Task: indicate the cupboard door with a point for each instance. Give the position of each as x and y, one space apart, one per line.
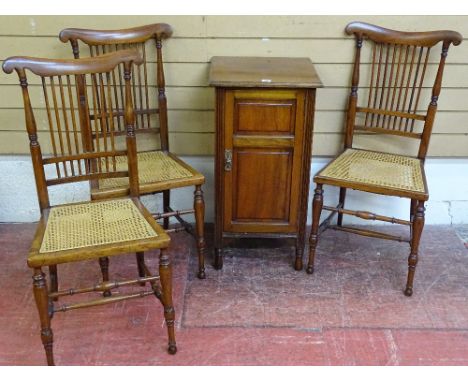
263 151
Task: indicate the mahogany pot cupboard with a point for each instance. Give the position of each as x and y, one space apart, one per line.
264 124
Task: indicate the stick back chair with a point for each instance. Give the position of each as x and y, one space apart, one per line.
396 76
88 230
160 170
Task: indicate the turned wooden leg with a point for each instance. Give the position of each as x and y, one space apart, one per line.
218 259
42 303
313 239
417 227
165 274
53 279
140 257
104 264
166 204
341 201
199 207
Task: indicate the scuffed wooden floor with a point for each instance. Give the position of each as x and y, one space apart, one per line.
257 310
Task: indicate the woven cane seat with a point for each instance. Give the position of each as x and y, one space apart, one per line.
383 170
157 171
87 227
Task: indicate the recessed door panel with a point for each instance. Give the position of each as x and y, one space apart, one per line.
262 185
263 151
264 116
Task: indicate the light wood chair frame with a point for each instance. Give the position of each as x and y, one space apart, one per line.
378 109
102 41
56 76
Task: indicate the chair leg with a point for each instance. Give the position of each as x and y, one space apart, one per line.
416 230
166 204
199 207
165 274
53 279
104 264
341 201
313 239
42 303
140 257
218 260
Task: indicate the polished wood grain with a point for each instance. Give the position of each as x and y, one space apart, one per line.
66 83
127 36
398 70
43 66
151 110
264 136
380 34
282 72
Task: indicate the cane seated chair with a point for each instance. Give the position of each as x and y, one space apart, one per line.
160 170
396 77
86 230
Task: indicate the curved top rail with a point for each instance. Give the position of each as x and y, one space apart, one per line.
384 35
117 36
57 67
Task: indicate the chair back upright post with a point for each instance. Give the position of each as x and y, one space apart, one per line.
67 154
130 138
102 41
397 72
162 100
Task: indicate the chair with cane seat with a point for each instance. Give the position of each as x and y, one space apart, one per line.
87 230
396 77
160 171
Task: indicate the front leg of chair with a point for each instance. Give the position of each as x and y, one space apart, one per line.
199 207
104 264
416 231
313 239
166 205
165 274
42 303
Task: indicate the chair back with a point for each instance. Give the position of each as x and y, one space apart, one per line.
57 106
400 78
148 83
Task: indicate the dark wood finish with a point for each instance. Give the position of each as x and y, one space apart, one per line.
165 273
199 207
264 72
264 123
397 72
140 256
43 303
370 233
74 159
123 36
149 101
104 265
317 204
389 36
366 215
417 227
42 67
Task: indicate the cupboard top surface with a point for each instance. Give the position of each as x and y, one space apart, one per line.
263 72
